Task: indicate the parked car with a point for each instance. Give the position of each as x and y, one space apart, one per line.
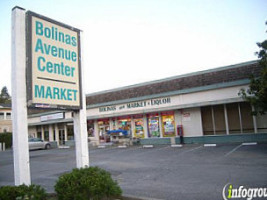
37 143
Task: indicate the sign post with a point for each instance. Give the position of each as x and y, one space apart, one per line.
80 125
48 56
54 74
19 106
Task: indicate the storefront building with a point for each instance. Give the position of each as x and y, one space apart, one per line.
5 118
205 104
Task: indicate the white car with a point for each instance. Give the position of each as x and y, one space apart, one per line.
37 143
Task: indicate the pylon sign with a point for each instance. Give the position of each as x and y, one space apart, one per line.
53 64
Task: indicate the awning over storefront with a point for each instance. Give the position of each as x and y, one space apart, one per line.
118 132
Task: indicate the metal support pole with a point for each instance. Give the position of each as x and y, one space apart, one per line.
19 107
51 138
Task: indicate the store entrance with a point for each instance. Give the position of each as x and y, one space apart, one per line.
61 137
103 127
125 124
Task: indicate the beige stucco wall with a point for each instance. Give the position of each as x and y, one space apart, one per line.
5 123
181 101
262 123
191 121
32 131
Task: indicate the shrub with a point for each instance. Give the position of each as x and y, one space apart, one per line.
6 138
87 183
22 192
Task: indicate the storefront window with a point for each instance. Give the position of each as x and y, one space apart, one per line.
46 135
153 126
90 128
168 125
103 127
139 127
2 115
8 116
70 131
125 124
39 132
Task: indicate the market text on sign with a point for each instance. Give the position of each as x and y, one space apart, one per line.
55 93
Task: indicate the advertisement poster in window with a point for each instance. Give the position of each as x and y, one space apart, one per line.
168 125
139 128
153 126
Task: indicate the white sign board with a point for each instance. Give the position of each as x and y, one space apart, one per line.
53 63
52 117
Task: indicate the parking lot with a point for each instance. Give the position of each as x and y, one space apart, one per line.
162 172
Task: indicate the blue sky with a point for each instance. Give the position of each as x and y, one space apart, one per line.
133 41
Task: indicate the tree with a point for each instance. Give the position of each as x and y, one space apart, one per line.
257 92
4 96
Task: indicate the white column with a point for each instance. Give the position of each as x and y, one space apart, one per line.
213 120
178 119
57 134
132 127
240 118
51 137
96 132
116 123
110 124
42 133
254 121
145 126
226 119
80 124
160 126
19 107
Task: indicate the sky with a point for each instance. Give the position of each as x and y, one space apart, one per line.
126 42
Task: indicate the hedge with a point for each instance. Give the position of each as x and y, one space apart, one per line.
6 138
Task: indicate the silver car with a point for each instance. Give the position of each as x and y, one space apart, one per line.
37 143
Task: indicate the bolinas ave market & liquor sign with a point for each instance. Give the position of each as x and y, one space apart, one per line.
53 63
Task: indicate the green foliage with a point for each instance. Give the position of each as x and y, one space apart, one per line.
87 183
4 96
257 92
22 192
6 138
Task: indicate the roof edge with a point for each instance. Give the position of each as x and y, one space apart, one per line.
173 93
243 64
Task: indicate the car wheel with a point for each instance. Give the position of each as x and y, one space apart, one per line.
47 146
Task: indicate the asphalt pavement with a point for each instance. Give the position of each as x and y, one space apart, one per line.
163 172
